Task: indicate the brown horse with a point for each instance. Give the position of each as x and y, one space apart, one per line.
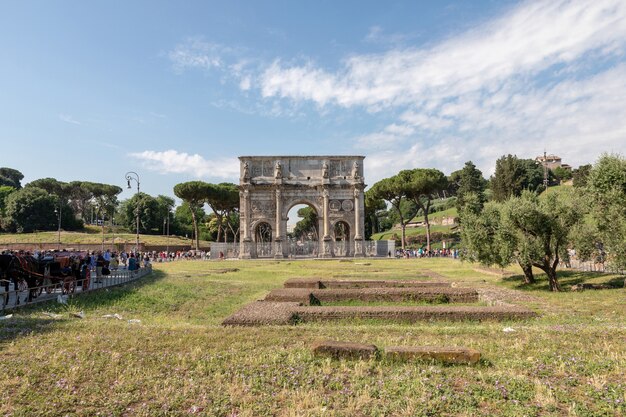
5 278
25 268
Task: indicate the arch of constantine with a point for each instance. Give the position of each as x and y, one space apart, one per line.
331 185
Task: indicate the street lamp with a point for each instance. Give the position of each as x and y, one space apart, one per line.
58 213
167 221
129 176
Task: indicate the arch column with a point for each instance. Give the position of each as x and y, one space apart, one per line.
327 241
278 240
246 245
359 250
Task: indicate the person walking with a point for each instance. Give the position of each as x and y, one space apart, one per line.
132 263
100 262
124 259
113 263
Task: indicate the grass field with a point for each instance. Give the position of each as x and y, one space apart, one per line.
178 360
438 215
93 235
412 231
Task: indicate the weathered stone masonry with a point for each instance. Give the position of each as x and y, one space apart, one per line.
271 185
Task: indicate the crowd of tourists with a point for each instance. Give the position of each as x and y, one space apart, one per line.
423 253
102 263
164 256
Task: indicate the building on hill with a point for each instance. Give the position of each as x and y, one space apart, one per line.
551 161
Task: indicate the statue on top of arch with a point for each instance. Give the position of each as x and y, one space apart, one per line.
246 172
355 170
325 170
278 170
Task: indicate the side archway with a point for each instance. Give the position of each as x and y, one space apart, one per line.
342 242
263 239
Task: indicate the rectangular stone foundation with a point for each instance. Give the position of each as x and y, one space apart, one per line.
448 355
316 283
407 294
344 350
413 314
261 313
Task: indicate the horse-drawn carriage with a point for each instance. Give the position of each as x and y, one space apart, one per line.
66 272
35 275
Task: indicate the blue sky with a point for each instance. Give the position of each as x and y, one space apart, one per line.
177 90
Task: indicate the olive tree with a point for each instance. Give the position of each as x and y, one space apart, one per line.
532 230
541 227
606 192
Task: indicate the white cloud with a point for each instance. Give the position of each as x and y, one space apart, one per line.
197 53
528 40
245 83
579 119
377 35
548 74
424 121
68 119
298 83
391 135
174 162
374 34
545 75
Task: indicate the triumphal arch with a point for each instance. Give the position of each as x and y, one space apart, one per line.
331 185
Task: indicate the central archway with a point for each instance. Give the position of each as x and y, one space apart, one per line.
303 226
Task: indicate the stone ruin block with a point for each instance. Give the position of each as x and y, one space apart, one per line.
263 313
447 355
347 350
318 283
415 294
413 314
302 283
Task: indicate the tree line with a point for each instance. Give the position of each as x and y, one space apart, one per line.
512 218
509 218
43 204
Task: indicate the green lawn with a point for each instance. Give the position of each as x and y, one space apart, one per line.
93 235
412 231
438 215
179 361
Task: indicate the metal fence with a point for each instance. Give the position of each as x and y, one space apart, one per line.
23 296
308 248
372 248
591 266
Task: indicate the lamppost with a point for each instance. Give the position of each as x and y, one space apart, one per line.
129 176
113 228
58 213
167 221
